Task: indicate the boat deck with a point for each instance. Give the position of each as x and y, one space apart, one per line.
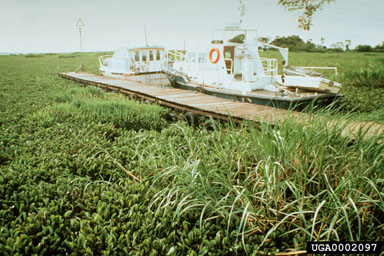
202 104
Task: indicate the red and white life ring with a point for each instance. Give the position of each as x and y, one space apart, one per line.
214 61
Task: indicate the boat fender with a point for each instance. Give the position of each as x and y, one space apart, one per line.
192 119
172 80
214 61
172 117
210 125
200 89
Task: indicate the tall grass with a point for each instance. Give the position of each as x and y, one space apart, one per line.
368 77
281 186
364 92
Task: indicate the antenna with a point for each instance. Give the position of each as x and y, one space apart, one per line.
145 32
242 12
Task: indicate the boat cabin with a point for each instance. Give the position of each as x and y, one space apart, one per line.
133 61
231 57
232 62
231 67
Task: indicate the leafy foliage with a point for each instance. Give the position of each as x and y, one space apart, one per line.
369 77
294 43
306 8
66 151
237 39
363 48
364 89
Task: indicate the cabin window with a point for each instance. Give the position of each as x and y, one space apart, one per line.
150 55
227 54
157 55
144 56
202 57
137 56
191 57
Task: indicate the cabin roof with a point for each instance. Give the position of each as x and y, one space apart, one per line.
130 49
146 48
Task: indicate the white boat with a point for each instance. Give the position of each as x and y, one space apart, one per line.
143 64
231 67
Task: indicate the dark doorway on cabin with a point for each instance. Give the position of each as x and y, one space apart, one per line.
229 56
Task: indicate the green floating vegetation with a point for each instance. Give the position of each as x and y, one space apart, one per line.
88 172
122 113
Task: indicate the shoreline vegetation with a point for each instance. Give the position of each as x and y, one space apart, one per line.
85 171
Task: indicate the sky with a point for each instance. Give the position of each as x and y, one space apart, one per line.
32 26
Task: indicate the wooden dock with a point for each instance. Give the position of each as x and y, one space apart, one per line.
203 104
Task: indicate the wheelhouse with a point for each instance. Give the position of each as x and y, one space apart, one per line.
129 61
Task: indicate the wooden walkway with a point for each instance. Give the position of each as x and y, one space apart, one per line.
207 105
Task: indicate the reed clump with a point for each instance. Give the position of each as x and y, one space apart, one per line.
281 186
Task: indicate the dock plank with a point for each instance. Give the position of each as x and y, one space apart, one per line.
209 105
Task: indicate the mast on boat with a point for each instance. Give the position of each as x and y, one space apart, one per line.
242 13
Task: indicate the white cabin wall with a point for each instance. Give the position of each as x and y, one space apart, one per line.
237 65
253 50
119 65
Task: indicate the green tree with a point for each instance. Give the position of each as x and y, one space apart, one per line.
347 44
379 47
264 40
294 43
363 48
306 8
322 41
239 39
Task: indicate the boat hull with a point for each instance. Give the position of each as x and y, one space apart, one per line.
259 97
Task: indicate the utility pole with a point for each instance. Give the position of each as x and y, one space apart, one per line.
80 24
145 32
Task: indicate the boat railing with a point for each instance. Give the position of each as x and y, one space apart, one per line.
175 55
256 67
322 68
270 66
102 59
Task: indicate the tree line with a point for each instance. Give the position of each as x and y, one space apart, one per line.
295 43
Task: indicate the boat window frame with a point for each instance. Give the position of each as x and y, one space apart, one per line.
202 57
144 54
191 57
151 55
